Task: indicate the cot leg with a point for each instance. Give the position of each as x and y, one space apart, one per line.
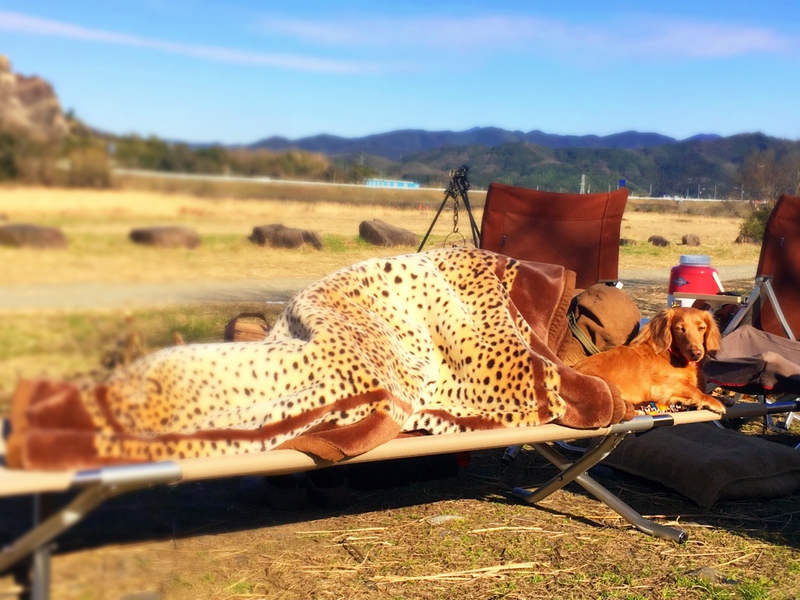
36 542
40 566
40 574
577 472
33 573
98 485
38 538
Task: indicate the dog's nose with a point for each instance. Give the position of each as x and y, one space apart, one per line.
697 353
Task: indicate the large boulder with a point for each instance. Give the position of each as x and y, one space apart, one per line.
380 233
32 236
166 237
691 239
280 236
658 240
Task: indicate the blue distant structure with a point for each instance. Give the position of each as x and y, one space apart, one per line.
391 183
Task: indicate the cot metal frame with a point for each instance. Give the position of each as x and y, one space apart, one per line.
98 485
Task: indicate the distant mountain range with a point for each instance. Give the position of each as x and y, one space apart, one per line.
705 165
395 145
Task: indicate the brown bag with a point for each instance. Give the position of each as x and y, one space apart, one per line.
238 330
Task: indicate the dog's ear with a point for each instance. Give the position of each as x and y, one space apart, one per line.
713 338
658 331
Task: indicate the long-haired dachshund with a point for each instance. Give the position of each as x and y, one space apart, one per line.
662 364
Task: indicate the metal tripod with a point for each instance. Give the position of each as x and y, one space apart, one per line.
457 190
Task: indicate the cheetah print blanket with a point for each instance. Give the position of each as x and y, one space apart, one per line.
443 341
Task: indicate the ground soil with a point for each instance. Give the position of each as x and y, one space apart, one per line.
640 284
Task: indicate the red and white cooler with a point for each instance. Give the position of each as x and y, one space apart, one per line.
694 274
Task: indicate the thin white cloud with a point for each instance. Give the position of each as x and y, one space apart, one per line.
21 23
705 40
639 37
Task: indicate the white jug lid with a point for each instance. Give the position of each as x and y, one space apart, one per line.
702 260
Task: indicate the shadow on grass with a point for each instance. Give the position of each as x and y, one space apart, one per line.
231 505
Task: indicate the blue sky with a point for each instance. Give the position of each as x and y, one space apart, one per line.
236 72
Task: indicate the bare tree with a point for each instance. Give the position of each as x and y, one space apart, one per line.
766 174
790 166
762 176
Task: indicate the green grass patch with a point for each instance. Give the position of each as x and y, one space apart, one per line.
69 345
645 250
339 244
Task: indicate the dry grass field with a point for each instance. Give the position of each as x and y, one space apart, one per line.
459 537
97 224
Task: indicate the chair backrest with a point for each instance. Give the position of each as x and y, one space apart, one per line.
577 231
780 261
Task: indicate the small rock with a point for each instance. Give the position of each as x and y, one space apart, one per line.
743 239
442 519
711 574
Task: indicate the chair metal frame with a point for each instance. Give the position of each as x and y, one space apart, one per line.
763 291
781 224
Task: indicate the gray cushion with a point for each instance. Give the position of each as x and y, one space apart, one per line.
707 464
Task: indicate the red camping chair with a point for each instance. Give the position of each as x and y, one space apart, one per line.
776 300
760 353
578 231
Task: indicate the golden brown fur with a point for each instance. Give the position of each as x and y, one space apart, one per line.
661 364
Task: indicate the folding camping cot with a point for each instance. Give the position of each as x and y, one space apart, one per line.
94 486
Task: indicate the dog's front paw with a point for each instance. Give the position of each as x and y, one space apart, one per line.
714 405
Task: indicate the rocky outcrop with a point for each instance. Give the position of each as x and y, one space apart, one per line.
28 105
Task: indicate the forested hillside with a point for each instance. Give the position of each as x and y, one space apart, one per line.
691 167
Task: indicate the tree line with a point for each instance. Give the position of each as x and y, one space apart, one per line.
743 167
747 167
87 159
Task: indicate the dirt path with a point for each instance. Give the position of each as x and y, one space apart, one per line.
78 296
81 296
